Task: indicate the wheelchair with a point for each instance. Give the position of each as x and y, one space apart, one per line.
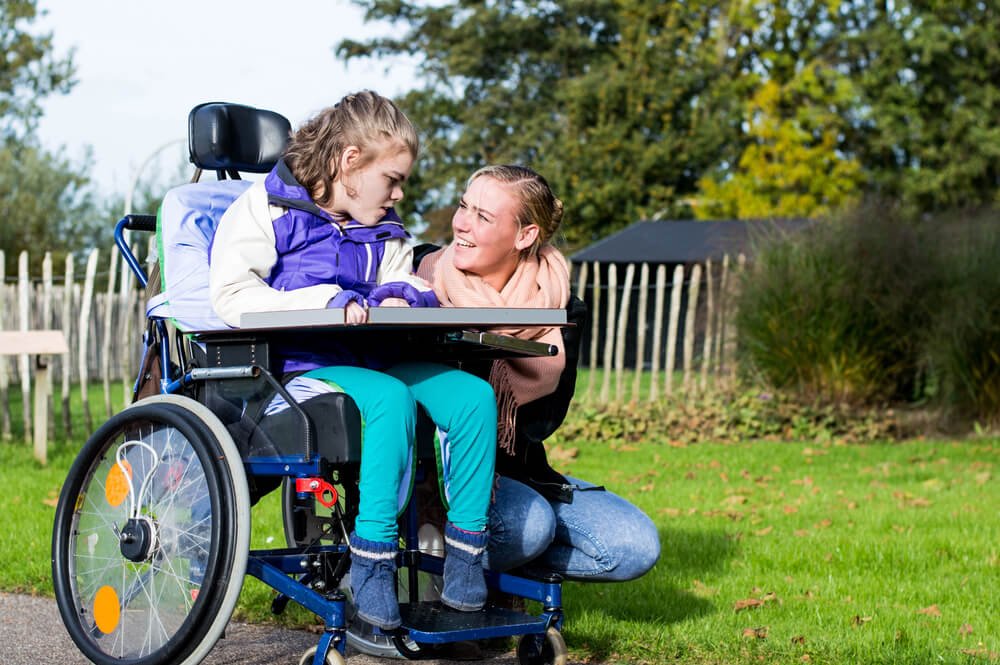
151 541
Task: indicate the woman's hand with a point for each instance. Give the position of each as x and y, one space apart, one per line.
394 302
355 314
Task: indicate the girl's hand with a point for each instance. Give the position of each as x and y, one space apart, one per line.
355 314
394 302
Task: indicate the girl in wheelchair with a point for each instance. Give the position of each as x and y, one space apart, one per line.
320 231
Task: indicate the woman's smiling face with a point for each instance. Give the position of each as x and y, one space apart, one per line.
487 237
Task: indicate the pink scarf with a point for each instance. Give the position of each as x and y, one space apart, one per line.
541 281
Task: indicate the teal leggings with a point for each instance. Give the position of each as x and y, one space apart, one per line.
462 406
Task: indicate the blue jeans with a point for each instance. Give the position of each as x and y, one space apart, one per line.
599 537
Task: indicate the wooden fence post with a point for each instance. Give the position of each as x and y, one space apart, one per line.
595 329
621 328
581 283
4 377
609 332
108 337
706 354
23 297
84 347
640 344
723 314
46 324
689 325
67 361
732 341
654 377
675 314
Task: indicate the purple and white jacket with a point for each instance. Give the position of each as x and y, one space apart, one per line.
276 250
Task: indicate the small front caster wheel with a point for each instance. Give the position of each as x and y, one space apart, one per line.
333 657
548 649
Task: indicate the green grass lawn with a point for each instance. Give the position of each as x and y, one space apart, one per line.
777 553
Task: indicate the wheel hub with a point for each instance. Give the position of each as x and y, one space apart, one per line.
137 539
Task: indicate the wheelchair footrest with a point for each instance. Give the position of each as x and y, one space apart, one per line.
435 623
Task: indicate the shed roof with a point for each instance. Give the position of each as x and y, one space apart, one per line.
682 241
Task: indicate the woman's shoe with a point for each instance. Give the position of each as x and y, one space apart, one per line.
464 585
373 582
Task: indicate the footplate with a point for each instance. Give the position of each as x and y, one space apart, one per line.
434 623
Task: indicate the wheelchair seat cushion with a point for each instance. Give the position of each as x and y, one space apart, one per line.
333 417
336 424
185 228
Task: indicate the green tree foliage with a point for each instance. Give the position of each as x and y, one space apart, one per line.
643 123
46 202
28 70
792 166
599 96
898 99
927 131
640 109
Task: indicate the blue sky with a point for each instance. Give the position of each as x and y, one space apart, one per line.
142 65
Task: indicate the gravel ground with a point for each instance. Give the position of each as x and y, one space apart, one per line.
31 632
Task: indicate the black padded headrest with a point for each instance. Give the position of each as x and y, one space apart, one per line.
233 137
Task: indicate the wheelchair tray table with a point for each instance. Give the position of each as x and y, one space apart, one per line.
442 334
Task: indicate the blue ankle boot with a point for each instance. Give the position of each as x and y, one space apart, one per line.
464 585
373 582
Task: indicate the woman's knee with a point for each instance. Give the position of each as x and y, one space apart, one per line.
621 539
641 548
522 525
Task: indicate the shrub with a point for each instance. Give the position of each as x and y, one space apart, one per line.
870 308
964 346
726 416
840 311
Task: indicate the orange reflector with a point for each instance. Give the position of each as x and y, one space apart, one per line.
107 610
116 486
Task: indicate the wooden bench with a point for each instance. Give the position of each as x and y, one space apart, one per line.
38 343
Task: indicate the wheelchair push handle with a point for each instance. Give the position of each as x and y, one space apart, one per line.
132 222
140 223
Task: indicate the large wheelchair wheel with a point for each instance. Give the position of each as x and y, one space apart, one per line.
151 535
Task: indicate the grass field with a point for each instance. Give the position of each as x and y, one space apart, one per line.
772 552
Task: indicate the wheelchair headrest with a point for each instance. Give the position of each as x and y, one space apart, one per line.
233 137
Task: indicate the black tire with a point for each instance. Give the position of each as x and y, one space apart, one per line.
164 592
547 649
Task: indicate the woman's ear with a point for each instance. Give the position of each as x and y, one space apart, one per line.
526 237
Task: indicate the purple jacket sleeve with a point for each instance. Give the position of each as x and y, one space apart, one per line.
344 297
411 294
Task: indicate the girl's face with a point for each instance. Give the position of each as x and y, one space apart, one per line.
487 238
366 193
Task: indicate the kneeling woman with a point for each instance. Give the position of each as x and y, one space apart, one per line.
500 256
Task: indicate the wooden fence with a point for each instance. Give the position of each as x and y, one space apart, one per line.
103 330
680 342
677 334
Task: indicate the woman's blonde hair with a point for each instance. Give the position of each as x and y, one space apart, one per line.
539 206
364 119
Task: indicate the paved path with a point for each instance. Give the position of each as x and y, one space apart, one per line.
31 632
